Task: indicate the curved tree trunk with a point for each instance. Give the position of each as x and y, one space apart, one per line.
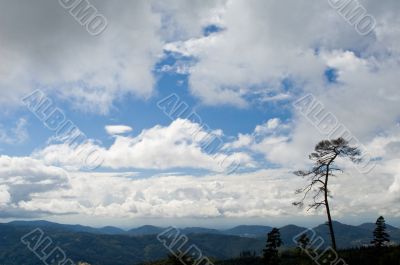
328 212
330 224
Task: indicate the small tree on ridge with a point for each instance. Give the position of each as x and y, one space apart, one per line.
381 238
270 253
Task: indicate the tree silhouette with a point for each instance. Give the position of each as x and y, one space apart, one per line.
303 246
270 253
303 243
381 238
324 167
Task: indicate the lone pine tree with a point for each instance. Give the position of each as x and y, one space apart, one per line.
324 156
381 238
270 253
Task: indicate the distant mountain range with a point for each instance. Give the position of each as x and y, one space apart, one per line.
250 231
112 245
242 230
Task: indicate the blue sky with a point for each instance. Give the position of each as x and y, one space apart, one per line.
239 79
142 114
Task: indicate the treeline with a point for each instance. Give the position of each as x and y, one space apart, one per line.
309 249
356 256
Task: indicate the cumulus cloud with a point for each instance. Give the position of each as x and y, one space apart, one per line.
117 129
169 196
275 141
30 187
267 194
22 178
182 144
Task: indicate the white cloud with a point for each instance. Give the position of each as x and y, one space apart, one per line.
168 196
275 140
4 195
186 19
243 140
270 127
277 97
191 47
267 193
117 129
260 47
182 144
366 98
91 72
22 178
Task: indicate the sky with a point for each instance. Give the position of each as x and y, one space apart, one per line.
195 113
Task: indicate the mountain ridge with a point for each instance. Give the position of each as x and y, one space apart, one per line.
240 230
98 248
